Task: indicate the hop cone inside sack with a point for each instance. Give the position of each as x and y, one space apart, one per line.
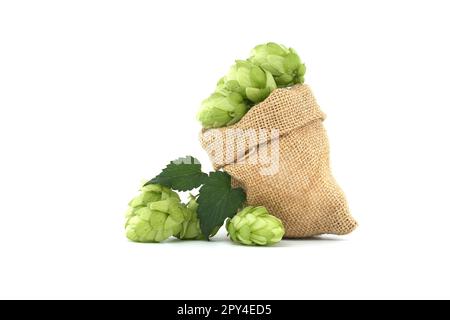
249 80
255 226
222 109
191 226
283 63
154 215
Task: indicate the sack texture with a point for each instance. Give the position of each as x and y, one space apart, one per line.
303 192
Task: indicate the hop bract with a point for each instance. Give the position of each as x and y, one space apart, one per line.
222 109
283 63
249 80
255 226
155 215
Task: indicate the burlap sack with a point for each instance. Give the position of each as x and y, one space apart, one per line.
303 193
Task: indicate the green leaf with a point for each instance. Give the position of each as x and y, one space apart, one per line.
218 201
182 174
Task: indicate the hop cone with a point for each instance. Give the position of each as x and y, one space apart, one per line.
255 226
191 226
154 215
249 80
283 63
222 109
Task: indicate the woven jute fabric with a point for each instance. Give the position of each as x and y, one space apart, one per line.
303 192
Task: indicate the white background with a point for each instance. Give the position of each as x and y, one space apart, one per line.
97 95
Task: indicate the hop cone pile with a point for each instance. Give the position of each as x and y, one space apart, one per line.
255 226
249 82
155 215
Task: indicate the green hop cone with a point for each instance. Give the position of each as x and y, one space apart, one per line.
154 215
248 80
152 193
191 226
255 226
283 63
222 109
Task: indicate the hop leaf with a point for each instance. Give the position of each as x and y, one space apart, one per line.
283 63
221 109
182 174
218 201
255 226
